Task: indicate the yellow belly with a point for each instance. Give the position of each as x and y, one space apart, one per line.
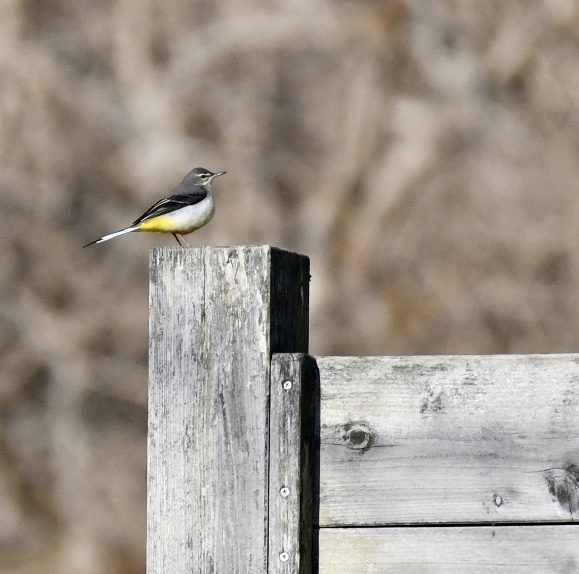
161 223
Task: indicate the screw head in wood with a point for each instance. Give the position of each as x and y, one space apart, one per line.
284 556
284 491
287 385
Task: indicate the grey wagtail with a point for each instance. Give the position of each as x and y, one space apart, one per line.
188 207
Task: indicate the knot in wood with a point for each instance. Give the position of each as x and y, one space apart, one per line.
563 485
357 436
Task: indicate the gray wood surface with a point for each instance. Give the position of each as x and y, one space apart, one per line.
216 317
291 485
448 550
456 439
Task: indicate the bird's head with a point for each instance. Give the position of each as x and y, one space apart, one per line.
202 176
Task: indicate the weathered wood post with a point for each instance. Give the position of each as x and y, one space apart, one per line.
217 315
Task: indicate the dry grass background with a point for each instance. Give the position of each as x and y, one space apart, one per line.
423 154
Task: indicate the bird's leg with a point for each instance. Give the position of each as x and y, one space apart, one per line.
180 239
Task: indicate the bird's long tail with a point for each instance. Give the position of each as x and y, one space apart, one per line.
112 235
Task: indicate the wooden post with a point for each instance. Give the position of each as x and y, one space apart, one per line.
216 317
294 401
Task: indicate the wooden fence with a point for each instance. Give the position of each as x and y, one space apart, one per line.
264 460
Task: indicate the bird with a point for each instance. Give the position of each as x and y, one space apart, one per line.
187 207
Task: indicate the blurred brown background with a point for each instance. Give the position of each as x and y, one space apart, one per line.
424 154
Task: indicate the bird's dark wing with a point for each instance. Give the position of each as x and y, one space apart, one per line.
172 203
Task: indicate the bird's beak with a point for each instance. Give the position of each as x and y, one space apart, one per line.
219 173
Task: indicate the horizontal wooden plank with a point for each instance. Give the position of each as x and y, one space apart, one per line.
447 550
459 439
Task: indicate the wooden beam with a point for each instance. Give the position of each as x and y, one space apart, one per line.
459 439
216 317
294 402
449 550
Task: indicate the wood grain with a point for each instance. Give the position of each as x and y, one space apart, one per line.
459 439
293 403
447 550
216 317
